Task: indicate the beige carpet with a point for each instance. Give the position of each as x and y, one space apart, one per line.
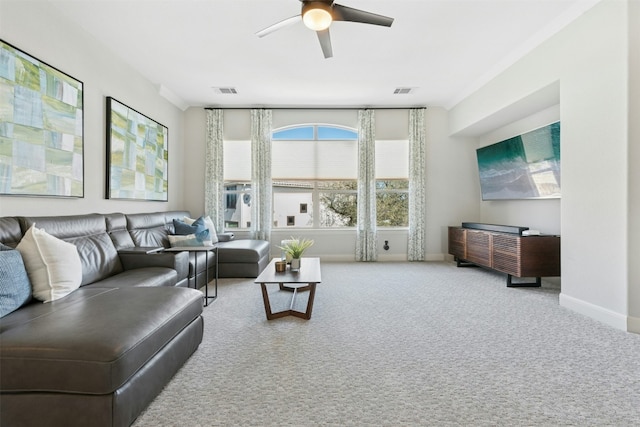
404 344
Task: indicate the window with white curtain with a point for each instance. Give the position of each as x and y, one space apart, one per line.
237 184
314 173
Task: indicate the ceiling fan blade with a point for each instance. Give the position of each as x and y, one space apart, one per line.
278 25
344 13
325 42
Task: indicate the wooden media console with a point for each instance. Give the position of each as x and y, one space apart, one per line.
510 253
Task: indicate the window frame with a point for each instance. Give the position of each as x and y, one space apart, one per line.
316 189
238 194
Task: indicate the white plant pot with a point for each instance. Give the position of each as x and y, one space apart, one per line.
295 264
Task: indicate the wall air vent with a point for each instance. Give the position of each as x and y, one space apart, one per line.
226 90
403 91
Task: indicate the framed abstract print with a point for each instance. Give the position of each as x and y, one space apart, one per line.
137 155
41 128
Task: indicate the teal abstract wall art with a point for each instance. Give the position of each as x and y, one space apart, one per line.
523 167
137 155
41 128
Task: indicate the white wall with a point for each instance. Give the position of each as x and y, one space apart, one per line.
40 30
194 157
589 60
453 190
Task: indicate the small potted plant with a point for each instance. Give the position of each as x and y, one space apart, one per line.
294 249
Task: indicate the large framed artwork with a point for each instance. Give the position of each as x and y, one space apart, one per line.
523 167
137 155
41 128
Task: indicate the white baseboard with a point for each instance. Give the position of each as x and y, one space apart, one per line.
403 257
392 257
381 257
336 258
611 318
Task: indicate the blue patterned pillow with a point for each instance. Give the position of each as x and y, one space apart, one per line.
198 228
15 288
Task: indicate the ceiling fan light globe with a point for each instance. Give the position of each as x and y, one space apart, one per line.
317 17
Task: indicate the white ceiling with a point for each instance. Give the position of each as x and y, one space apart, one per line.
442 48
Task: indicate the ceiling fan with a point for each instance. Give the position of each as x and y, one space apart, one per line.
318 15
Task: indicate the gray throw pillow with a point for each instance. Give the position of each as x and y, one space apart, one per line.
15 288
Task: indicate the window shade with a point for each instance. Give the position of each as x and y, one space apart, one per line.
392 159
314 160
317 160
237 160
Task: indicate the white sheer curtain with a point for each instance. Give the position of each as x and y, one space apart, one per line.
417 172
366 244
261 174
214 169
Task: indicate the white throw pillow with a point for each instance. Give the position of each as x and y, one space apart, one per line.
207 223
53 265
178 240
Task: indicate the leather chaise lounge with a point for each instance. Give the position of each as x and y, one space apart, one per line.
100 355
96 357
236 258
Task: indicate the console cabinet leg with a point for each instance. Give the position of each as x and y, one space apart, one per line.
511 284
462 263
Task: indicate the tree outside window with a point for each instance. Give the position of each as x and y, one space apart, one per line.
392 203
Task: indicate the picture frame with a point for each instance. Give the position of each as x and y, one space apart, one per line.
137 155
41 127
525 167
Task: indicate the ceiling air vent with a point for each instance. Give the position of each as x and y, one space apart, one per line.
403 91
226 90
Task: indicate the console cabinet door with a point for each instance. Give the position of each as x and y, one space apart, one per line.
479 247
506 254
540 256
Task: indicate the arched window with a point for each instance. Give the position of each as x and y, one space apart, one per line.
317 132
315 170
